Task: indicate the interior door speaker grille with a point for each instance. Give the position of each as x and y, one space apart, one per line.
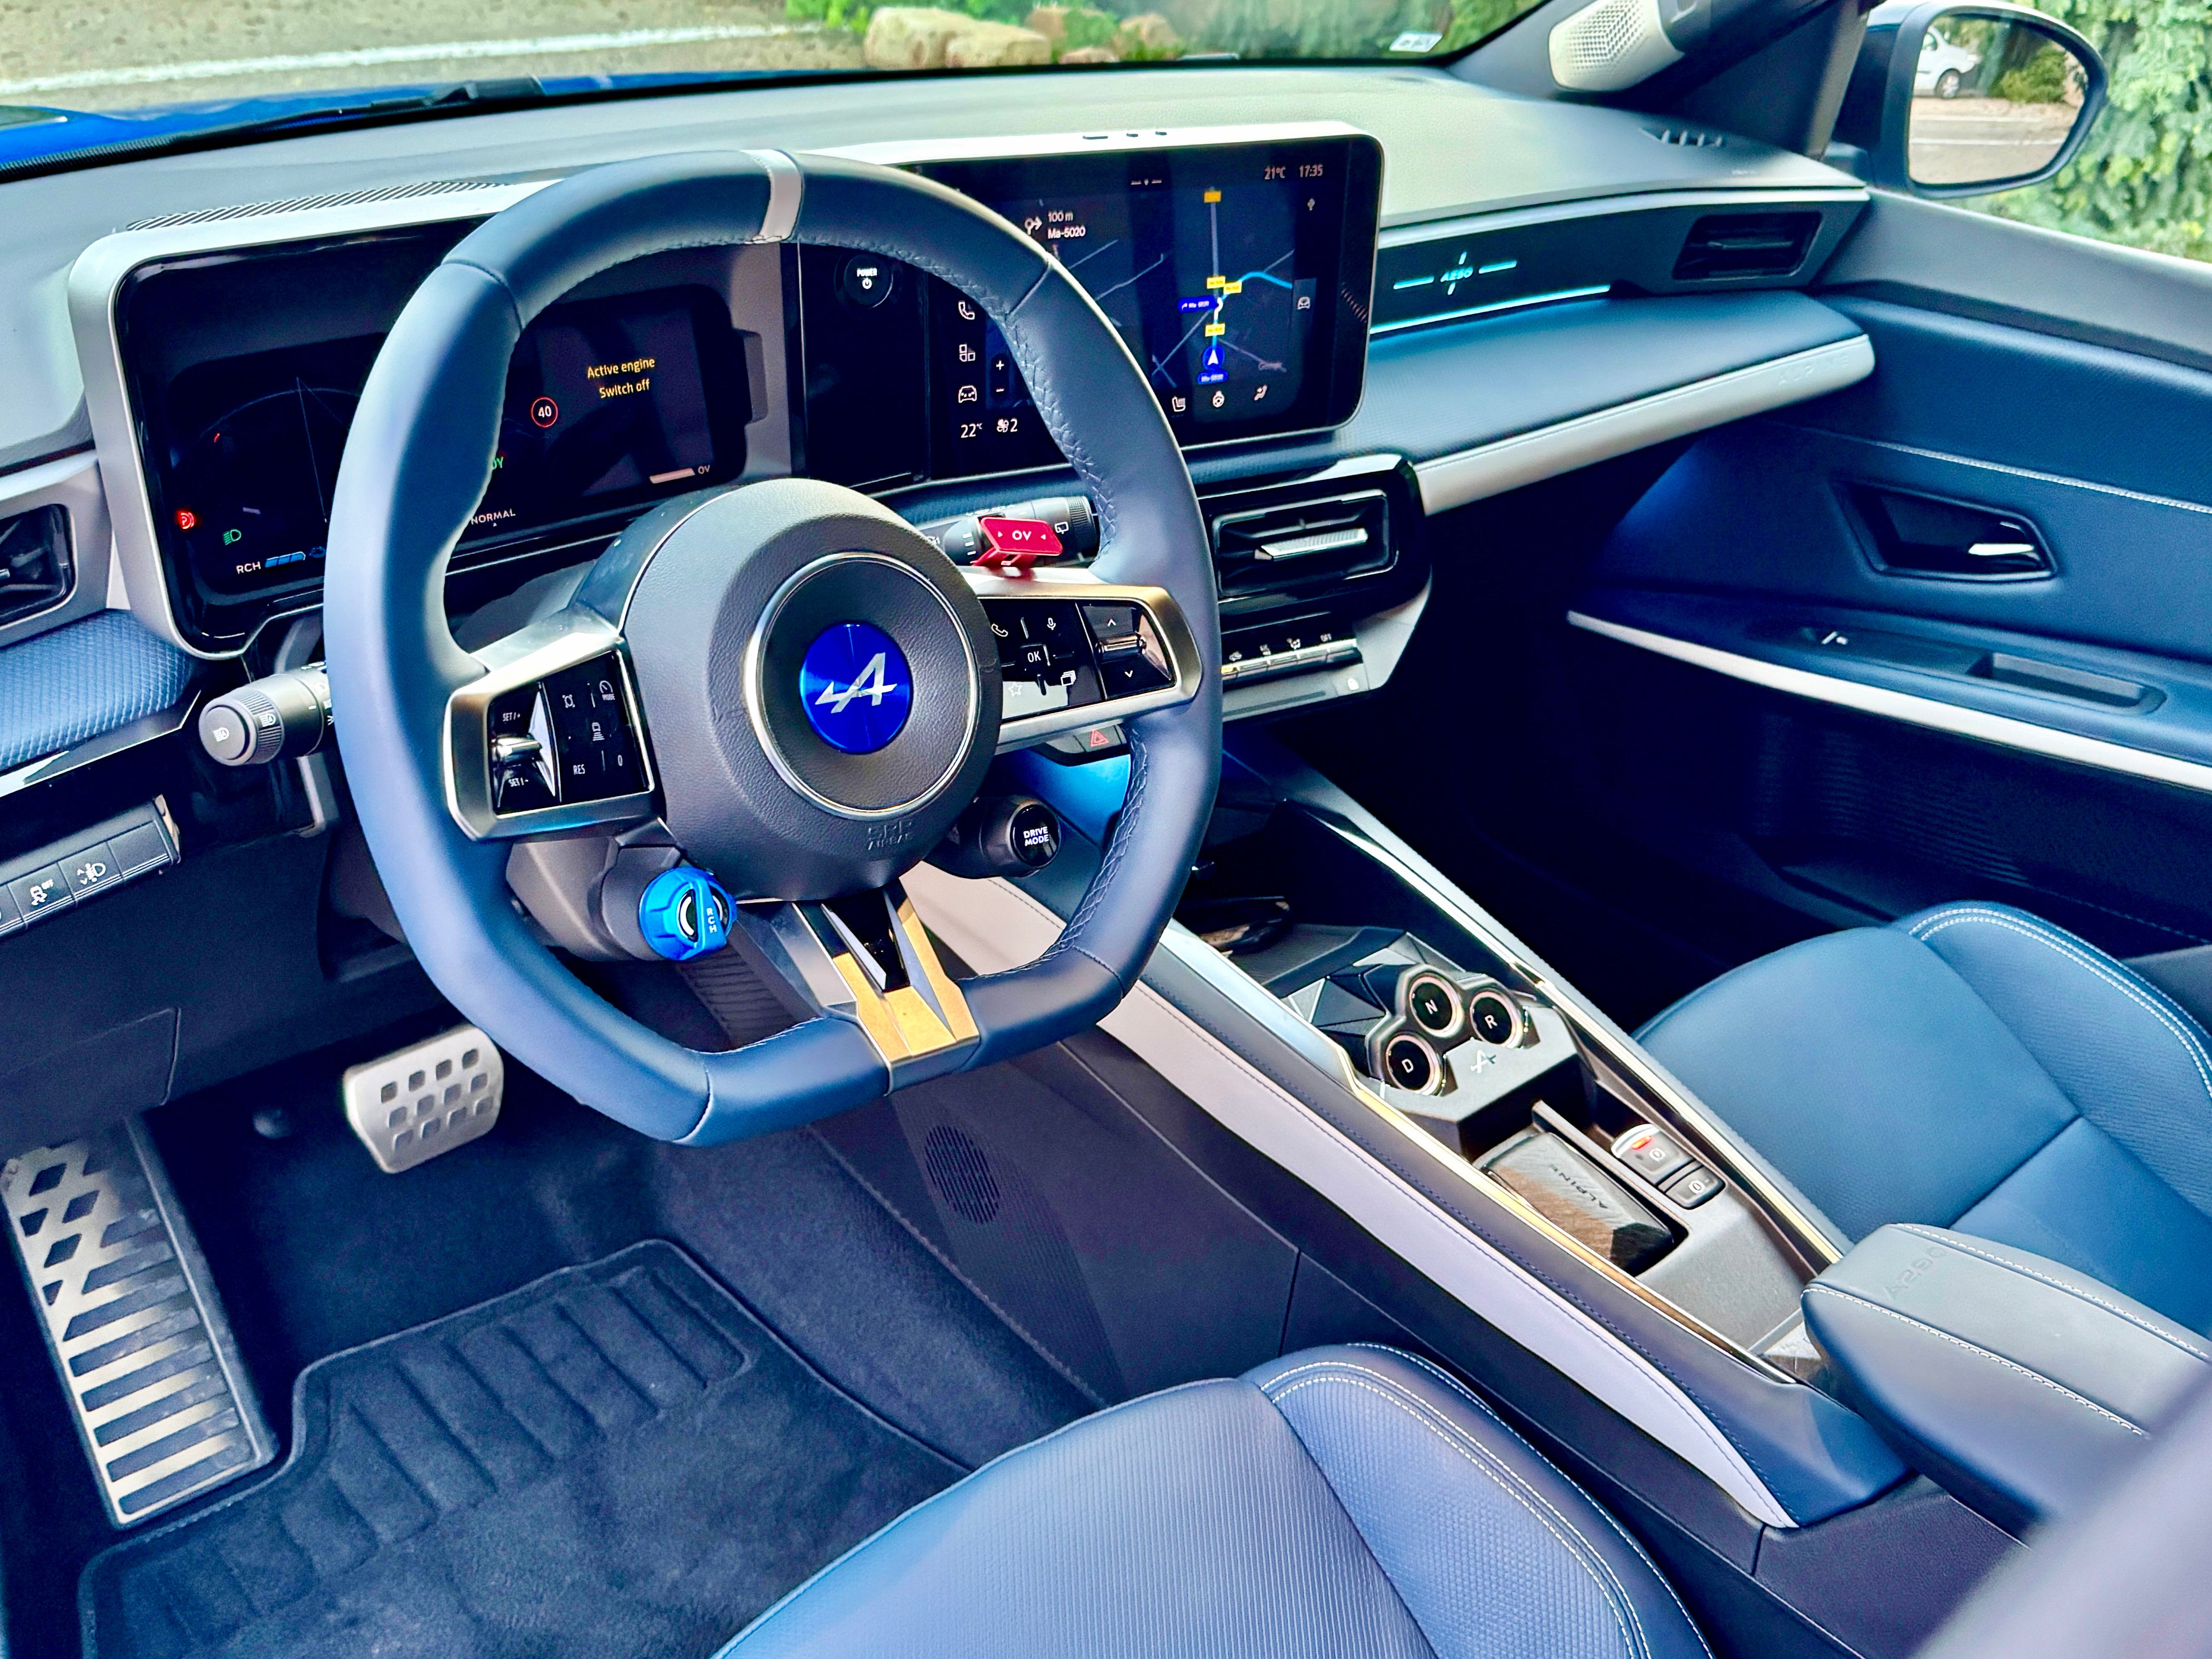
163 1406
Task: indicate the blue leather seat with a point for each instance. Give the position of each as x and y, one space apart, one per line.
1344 1502
1971 1066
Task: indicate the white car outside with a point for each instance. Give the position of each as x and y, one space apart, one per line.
1943 67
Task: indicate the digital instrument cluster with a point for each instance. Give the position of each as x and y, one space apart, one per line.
612 403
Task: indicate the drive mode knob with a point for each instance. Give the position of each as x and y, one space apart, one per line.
683 913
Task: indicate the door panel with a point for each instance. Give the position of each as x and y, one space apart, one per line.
1756 691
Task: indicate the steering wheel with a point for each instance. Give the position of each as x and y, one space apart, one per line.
714 641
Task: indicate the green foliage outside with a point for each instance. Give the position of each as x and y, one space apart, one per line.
2145 177
1472 19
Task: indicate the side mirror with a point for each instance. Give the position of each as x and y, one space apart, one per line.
1964 100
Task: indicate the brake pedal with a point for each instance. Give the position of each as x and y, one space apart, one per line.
162 1403
413 1103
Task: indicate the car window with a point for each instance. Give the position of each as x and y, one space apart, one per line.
2144 177
138 57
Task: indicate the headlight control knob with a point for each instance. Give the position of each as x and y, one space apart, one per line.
683 913
270 719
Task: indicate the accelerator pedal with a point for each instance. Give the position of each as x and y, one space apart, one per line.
415 1103
163 1406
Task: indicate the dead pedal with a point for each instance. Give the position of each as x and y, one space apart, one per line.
163 1406
413 1103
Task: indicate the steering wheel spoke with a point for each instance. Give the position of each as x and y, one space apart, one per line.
550 738
1075 650
865 958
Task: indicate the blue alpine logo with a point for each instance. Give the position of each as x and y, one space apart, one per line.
855 687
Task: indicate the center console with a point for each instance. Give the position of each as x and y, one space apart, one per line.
1447 1029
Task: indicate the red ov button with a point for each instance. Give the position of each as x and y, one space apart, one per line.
1017 541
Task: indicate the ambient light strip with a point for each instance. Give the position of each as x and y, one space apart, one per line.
993 924
1450 481
1931 712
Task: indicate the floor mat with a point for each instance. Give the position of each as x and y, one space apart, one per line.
617 1459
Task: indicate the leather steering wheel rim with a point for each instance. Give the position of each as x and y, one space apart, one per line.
415 465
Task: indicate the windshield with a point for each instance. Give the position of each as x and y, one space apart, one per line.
133 57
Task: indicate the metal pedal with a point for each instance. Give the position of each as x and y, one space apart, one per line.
162 1404
414 1104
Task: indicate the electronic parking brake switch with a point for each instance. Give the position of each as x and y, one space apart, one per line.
1653 1154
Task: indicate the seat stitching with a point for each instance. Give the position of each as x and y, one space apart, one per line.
1505 1478
1923 930
1950 1241
1601 1572
1609 1518
1976 1348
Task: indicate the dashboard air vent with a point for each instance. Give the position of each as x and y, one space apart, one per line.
1689 137
35 574
1745 245
1336 537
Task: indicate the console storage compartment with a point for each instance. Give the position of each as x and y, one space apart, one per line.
2016 1383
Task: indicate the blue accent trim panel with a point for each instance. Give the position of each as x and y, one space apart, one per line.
1438 391
1344 1500
1087 796
2178 724
62 688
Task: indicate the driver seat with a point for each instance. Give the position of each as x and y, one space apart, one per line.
1342 1503
1974 1067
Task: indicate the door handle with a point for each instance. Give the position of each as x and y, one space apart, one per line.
1909 534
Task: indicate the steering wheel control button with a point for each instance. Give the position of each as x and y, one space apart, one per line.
1409 1063
1014 835
1494 1017
684 914
1651 1152
1692 1186
1433 1003
867 281
856 688
595 750
415 1103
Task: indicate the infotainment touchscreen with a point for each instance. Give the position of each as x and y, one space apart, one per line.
1238 275
609 403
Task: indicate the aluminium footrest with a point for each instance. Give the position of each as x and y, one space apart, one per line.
162 1405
